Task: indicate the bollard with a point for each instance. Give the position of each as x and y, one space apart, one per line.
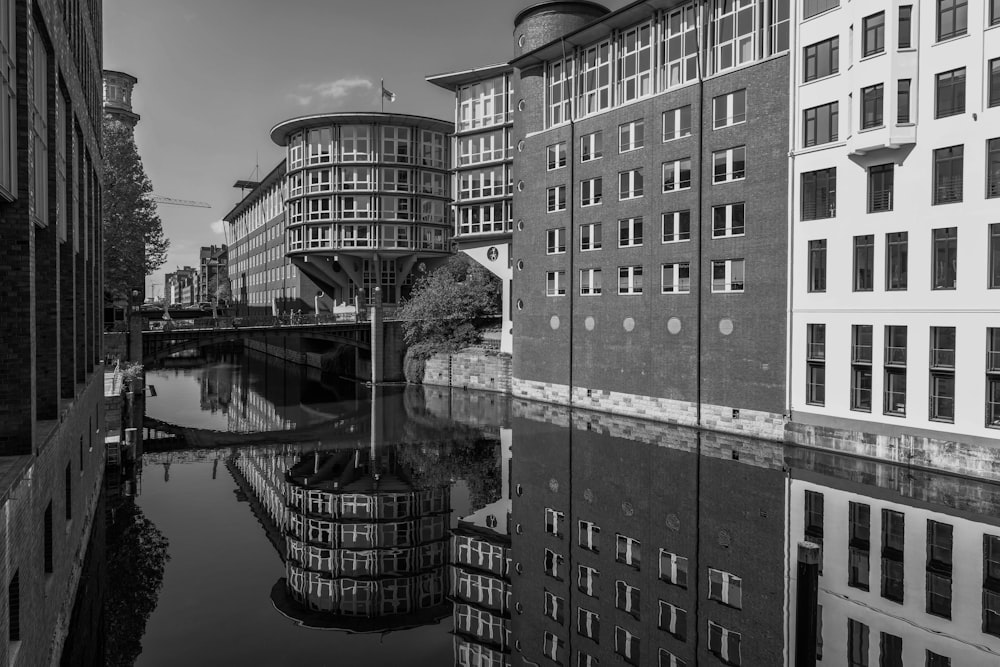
806 605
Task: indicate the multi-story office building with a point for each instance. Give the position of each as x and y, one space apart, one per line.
482 180
179 286
213 273
366 201
894 308
118 97
665 124
51 397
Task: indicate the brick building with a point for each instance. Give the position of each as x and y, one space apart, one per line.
51 397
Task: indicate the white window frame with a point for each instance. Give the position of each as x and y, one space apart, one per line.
585 625
631 135
594 81
555 285
320 180
555 241
586 577
733 268
595 236
630 184
556 198
680 37
592 146
671 220
674 120
630 232
591 191
671 280
724 635
631 546
590 282
630 280
675 561
559 91
741 47
675 168
673 616
555 156
355 143
555 559
551 645
725 588
627 598
588 532
624 642
635 63
396 144
729 157
729 213
732 115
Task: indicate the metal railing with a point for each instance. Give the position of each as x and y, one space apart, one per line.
880 200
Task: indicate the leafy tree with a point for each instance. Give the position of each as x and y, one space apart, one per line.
134 245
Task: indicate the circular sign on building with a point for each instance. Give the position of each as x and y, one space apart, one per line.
492 254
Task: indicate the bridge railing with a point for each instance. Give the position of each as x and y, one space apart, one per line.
255 321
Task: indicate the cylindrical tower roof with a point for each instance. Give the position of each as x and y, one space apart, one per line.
543 22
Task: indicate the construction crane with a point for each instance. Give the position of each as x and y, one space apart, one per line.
160 199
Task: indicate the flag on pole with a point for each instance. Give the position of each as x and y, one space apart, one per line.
387 94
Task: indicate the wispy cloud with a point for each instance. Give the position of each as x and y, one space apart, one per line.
218 227
330 91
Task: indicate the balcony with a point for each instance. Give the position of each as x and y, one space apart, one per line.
892 137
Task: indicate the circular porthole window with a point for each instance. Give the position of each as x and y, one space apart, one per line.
520 304
520 145
521 104
519 489
520 225
520 186
520 267
520 40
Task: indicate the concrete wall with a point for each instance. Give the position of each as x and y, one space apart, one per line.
469 369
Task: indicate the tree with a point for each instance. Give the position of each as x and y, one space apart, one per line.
134 245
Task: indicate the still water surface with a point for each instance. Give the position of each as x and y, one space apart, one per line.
426 526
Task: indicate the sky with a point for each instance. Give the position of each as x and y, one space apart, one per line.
216 75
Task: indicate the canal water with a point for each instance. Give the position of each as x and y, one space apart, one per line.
428 526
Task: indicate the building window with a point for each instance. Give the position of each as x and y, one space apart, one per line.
47 539
728 220
556 198
555 283
905 26
635 63
820 124
552 647
630 232
673 621
68 486
729 165
991 585
815 364
680 47
952 18
727 275
677 175
560 78
677 123
903 101
993 168
819 194
555 241
630 184
631 136
896 260
942 374
861 367
813 516
676 278
724 644
595 79
864 263
880 187
950 93
588 624
627 598
592 146
893 536
586 579
668 659
729 109
871 106
676 226
589 534
859 546
873 40
556 155
948 174
994 82
627 645
895 371
725 588
628 551
673 569
553 562
814 7
993 377
733 45
890 650
590 191
822 59
590 282
554 607
14 607
994 12
553 519
935 660
939 568
993 280
590 236
945 257
629 280
857 644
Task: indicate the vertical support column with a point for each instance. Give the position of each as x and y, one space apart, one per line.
67 291
47 323
806 605
378 342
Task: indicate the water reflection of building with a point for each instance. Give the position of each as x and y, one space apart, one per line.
910 568
480 577
643 543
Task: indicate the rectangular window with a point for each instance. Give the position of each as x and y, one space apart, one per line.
47 539
813 516
630 184
896 261
627 598
680 47
815 364
945 257
552 563
819 194
935 660
555 283
994 83
588 624
627 645
729 109
560 87
942 374
991 585
677 123
895 371
993 377
871 106
673 621
880 187
631 136
668 659
14 607
729 165
993 168
728 220
555 241
677 226
814 7
591 191
939 568
630 280
873 40
673 569
556 198
594 81
556 155
677 175
817 266
728 275
725 588
635 63
676 278
905 26
950 91
948 174
994 12
857 644
864 263
590 236
903 101
630 232
993 269
893 536
552 647
820 124
952 18
821 59
859 546
724 644
592 146
68 482
589 534
590 282
554 607
586 579
628 551
890 650
861 367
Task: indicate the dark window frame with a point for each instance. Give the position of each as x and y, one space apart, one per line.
949 174
949 93
872 104
873 35
819 194
958 21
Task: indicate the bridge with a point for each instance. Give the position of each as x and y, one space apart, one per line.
305 343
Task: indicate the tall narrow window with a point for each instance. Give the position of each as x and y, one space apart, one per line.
871 106
864 263
591 146
890 650
903 101
859 546
589 533
874 34
817 265
47 539
945 250
905 26
555 241
896 261
724 644
627 645
555 607
627 598
814 521
948 174
994 82
68 490
880 187
588 624
861 367
895 371
628 551
991 585
630 232
994 12
677 175
939 568
673 569
729 165
993 269
952 18
993 377
950 90
556 155
594 82
819 194
993 167
673 621
942 374
630 184
815 364
555 283
857 644
14 607
893 535
591 191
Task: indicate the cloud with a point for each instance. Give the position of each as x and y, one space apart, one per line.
332 91
218 227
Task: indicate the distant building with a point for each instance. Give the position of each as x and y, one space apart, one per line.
118 97
213 274
180 286
52 393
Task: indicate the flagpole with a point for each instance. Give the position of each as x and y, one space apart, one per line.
381 95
